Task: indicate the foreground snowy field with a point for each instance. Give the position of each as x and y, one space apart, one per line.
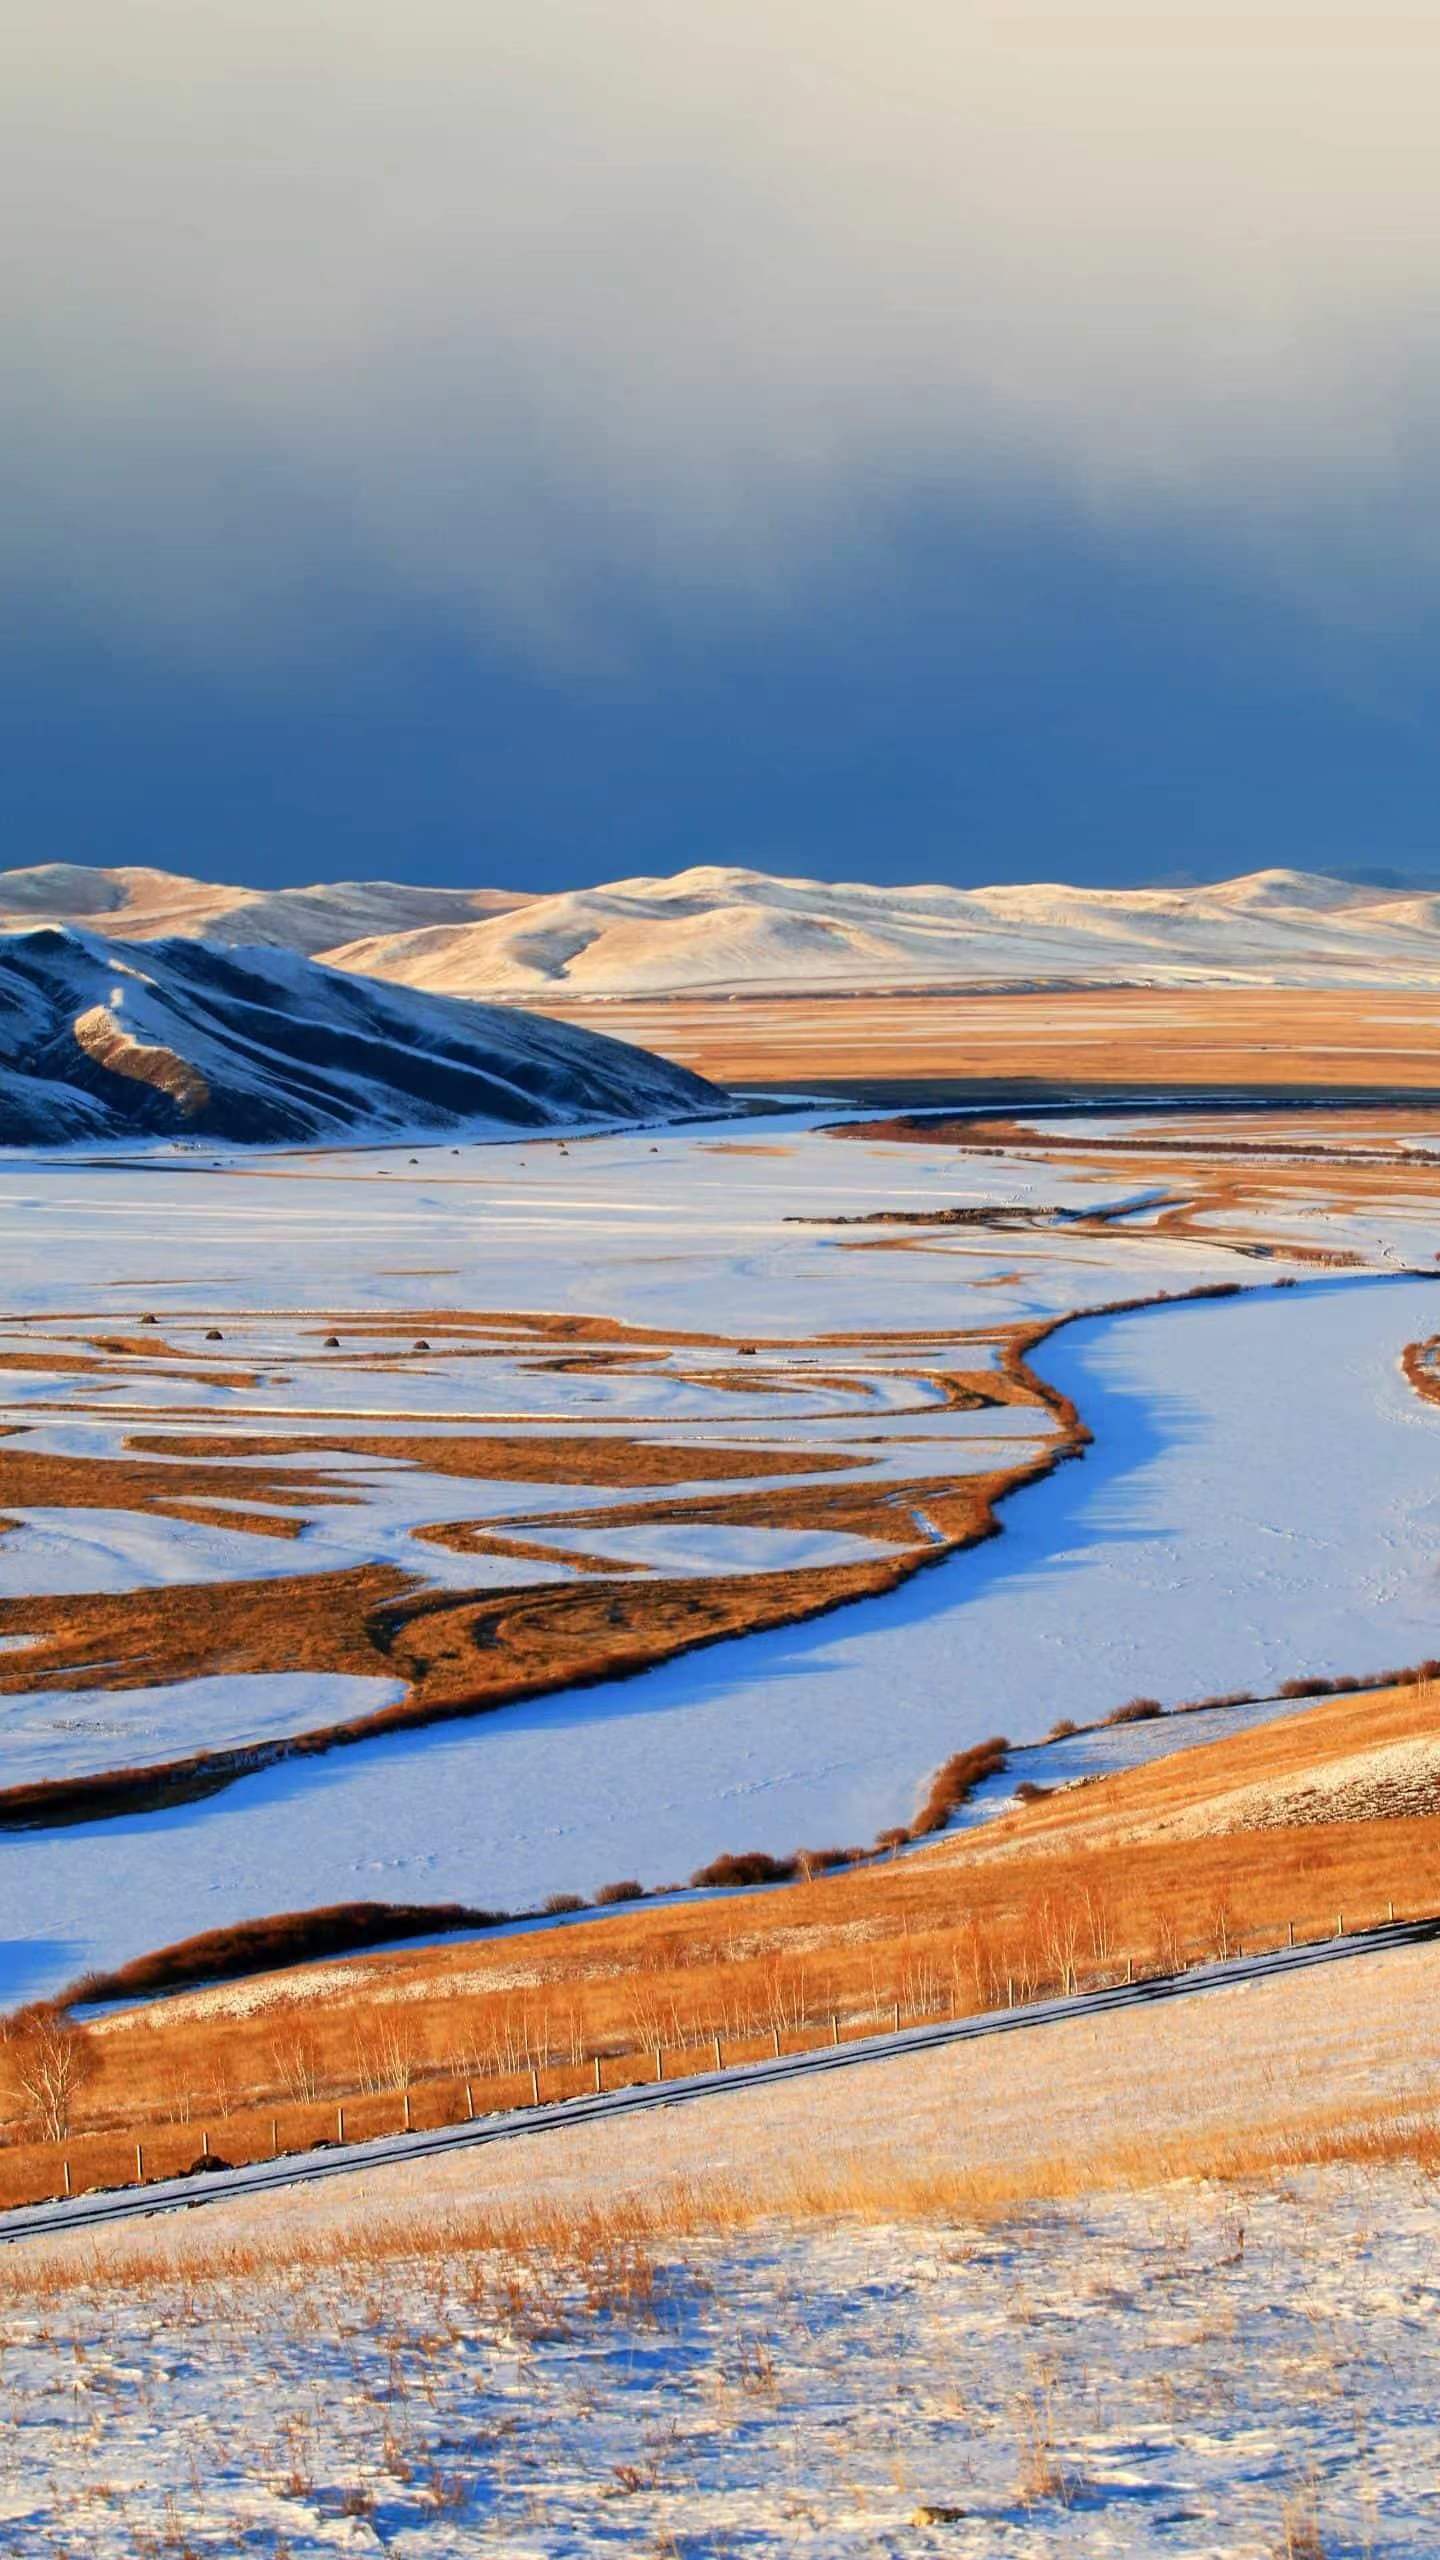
1200 2372
852 2319
1264 1445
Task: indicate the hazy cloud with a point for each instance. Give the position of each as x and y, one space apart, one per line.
499 301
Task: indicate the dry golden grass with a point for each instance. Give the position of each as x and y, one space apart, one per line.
611 2245
552 1457
1264 1039
1073 1890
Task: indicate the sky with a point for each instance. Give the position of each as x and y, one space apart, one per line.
543 444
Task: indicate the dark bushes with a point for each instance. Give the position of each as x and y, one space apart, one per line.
629 1889
1408 1675
267 1946
1135 1711
956 1781
746 1866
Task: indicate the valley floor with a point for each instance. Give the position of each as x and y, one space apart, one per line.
736 1374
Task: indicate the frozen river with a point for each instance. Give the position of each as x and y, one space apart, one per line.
1262 1498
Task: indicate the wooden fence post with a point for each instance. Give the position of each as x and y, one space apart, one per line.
1290 1933
718 2063
406 2096
469 2103
139 2165
775 2042
274 2137
834 2028
597 2075
659 2062
65 2165
534 2085
339 2124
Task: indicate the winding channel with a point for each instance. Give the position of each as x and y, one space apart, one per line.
1262 1496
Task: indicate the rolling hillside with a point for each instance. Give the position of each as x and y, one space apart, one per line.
99 1041
722 932
135 904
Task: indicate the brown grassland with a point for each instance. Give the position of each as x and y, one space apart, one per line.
1227 1846
1260 1039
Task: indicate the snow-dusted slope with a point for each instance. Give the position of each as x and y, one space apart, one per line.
98 1041
728 931
139 905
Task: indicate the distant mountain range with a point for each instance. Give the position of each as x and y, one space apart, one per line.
106 1040
138 905
723 933
733 932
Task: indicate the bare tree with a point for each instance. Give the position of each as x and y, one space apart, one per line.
1100 1925
297 2065
1060 1938
386 2058
48 2061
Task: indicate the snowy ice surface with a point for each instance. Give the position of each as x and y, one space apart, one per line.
62 1733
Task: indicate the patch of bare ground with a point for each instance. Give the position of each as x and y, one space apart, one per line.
115 1049
1421 1364
551 1457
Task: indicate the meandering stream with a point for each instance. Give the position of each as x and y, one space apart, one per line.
1262 1497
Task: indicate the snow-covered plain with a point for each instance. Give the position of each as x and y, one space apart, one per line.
52 1733
1263 1448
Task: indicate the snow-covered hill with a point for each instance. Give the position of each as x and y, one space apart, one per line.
724 931
133 904
101 1041
727 932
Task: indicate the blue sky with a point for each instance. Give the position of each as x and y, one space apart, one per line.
892 442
